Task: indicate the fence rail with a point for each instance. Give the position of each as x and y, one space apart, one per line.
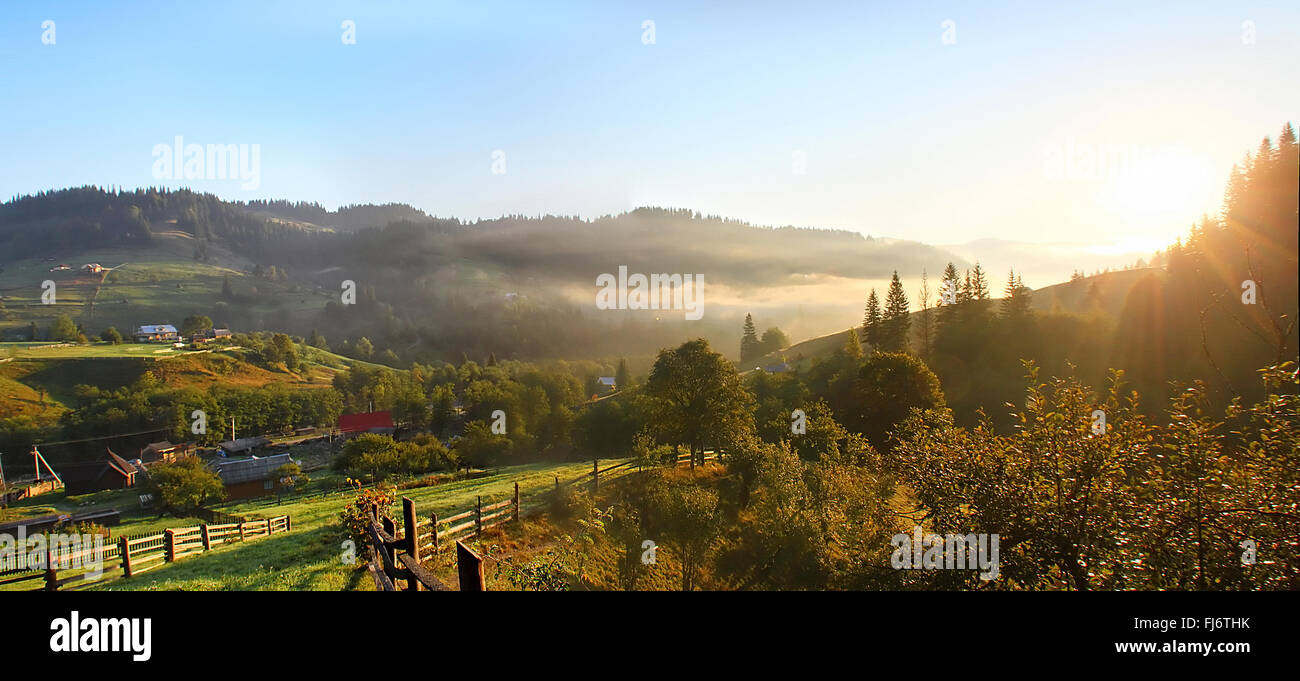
709 455
138 554
395 559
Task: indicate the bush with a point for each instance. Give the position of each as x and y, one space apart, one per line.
185 485
355 517
567 504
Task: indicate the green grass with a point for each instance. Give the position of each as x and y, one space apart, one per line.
50 350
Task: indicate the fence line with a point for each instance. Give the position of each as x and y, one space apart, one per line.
138 554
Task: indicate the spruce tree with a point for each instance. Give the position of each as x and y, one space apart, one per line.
896 320
871 321
949 290
622 377
750 347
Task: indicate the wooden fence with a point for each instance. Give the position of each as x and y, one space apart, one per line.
139 554
709 455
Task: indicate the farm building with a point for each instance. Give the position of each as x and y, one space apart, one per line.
156 332
92 268
209 336
252 477
110 472
164 451
368 422
244 445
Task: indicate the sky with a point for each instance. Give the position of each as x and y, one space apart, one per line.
941 122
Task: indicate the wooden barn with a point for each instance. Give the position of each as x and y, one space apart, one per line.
252 477
110 472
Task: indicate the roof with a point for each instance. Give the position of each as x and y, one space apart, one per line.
360 423
244 443
250 470
88 471
156 328
606 380
121 465
159 446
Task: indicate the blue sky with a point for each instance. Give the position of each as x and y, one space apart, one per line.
900 134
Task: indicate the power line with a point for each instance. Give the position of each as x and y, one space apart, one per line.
102 437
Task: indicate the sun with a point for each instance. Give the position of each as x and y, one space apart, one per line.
1157 185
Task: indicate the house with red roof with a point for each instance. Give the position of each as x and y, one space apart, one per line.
368 422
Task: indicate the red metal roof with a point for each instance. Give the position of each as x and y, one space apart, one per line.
360 423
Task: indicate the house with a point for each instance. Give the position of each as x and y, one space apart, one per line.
92 268
778 368
209 335
369 422
61 268
110 472
244 445
251 477
606 384
156 332
164 451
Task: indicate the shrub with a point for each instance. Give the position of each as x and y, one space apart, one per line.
355 517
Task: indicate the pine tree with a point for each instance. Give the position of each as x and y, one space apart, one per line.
871 321
622 377
226 292
749 343
896 319
852 347
949 291
979 284
1015 299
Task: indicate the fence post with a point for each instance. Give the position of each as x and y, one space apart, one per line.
207 540
412 536
412 539
241 530
169 545
288 523
595 476
516 502
469 567
433 523
389 526
478 516
51 573
125 550
557 483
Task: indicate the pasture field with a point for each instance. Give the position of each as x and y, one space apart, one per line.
161 284
310 557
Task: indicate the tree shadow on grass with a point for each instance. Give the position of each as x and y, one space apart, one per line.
294 561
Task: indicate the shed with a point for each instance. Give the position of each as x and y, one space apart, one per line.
251 477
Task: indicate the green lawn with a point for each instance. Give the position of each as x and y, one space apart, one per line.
49 350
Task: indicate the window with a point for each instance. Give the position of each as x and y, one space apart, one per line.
269 484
